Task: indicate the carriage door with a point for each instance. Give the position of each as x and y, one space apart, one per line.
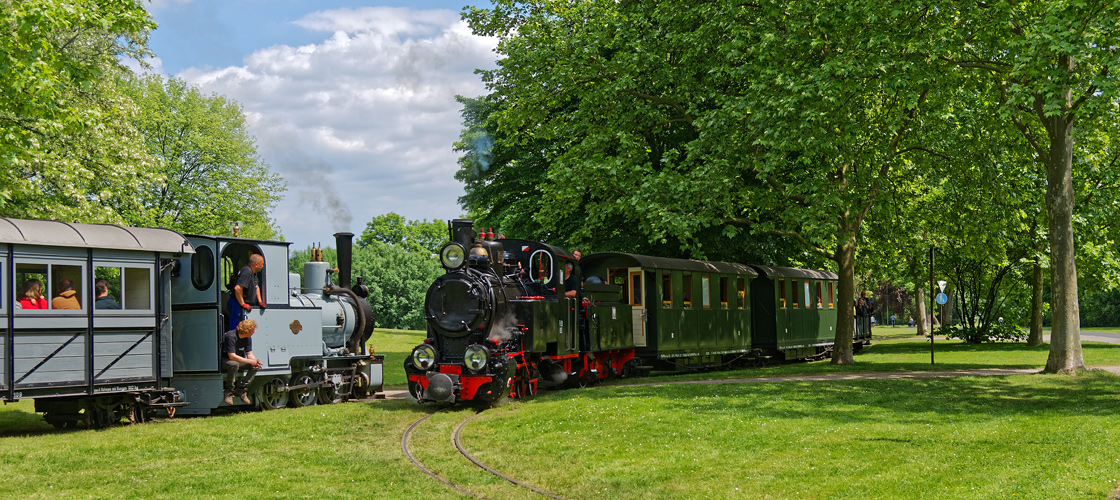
196 309
637 306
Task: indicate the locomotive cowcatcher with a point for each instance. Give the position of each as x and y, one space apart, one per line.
499 322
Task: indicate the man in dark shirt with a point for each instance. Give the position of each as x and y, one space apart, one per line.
104 300
237 350
246 291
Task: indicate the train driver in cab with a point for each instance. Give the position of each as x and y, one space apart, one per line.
237 353
246 291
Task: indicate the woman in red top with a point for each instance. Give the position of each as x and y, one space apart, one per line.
32 295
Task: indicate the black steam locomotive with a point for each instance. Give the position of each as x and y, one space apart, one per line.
508 317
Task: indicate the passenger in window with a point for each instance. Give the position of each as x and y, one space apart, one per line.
246 291
104 300
31 297
67 298
237 353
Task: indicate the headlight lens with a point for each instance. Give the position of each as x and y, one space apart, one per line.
452 256
476 357
424 357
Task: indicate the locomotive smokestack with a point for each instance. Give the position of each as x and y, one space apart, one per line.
344 243
462 232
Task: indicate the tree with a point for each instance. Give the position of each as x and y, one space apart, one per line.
209 171
786 118
1054 63
419 236
66 147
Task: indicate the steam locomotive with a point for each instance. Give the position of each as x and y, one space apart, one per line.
158 353
507 317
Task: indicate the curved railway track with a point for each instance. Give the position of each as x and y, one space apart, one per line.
463 451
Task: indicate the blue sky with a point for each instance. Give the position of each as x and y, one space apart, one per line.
351 102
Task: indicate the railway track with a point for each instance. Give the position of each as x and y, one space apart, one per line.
455 436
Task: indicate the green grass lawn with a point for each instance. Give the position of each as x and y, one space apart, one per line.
1007 437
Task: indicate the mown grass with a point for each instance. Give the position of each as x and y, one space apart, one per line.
1023 436
396 345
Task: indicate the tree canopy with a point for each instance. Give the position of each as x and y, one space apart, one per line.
66 147
209 173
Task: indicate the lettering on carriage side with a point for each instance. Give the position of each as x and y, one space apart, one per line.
117 388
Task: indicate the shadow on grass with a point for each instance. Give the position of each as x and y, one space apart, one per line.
1092 393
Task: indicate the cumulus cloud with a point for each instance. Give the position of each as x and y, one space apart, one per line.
363 121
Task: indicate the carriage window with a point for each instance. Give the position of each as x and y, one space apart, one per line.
808 303
49 286
106 288
741 292
706 292
782 294
820 295
686 292
667 290
202 268
636 286
617 276
723 295
795 292
831 302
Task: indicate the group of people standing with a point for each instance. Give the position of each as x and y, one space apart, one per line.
31 296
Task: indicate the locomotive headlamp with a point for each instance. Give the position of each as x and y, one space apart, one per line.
476 357
452 255
424 357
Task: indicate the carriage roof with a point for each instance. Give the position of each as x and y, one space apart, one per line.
103 236
793 272
650 262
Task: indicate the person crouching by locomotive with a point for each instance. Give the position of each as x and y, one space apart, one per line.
237 350
246 291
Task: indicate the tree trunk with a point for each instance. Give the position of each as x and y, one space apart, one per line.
1065 325
923 314
845 314
1035 338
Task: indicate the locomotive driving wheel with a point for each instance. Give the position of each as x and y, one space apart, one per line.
306 396
273 394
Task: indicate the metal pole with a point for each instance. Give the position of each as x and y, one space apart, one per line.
932 301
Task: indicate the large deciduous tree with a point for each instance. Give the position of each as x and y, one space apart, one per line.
66 146
1055 63
209 170
784 118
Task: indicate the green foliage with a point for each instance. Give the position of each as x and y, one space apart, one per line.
67 149
398 281
209 173
410 235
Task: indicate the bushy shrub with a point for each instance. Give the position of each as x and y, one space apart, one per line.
993 332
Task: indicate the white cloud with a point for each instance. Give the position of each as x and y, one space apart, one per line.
363 121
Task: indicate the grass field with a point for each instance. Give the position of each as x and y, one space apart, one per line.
1023 436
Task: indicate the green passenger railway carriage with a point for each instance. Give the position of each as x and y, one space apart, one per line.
501 321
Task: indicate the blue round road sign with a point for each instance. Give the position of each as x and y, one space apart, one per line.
942 298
